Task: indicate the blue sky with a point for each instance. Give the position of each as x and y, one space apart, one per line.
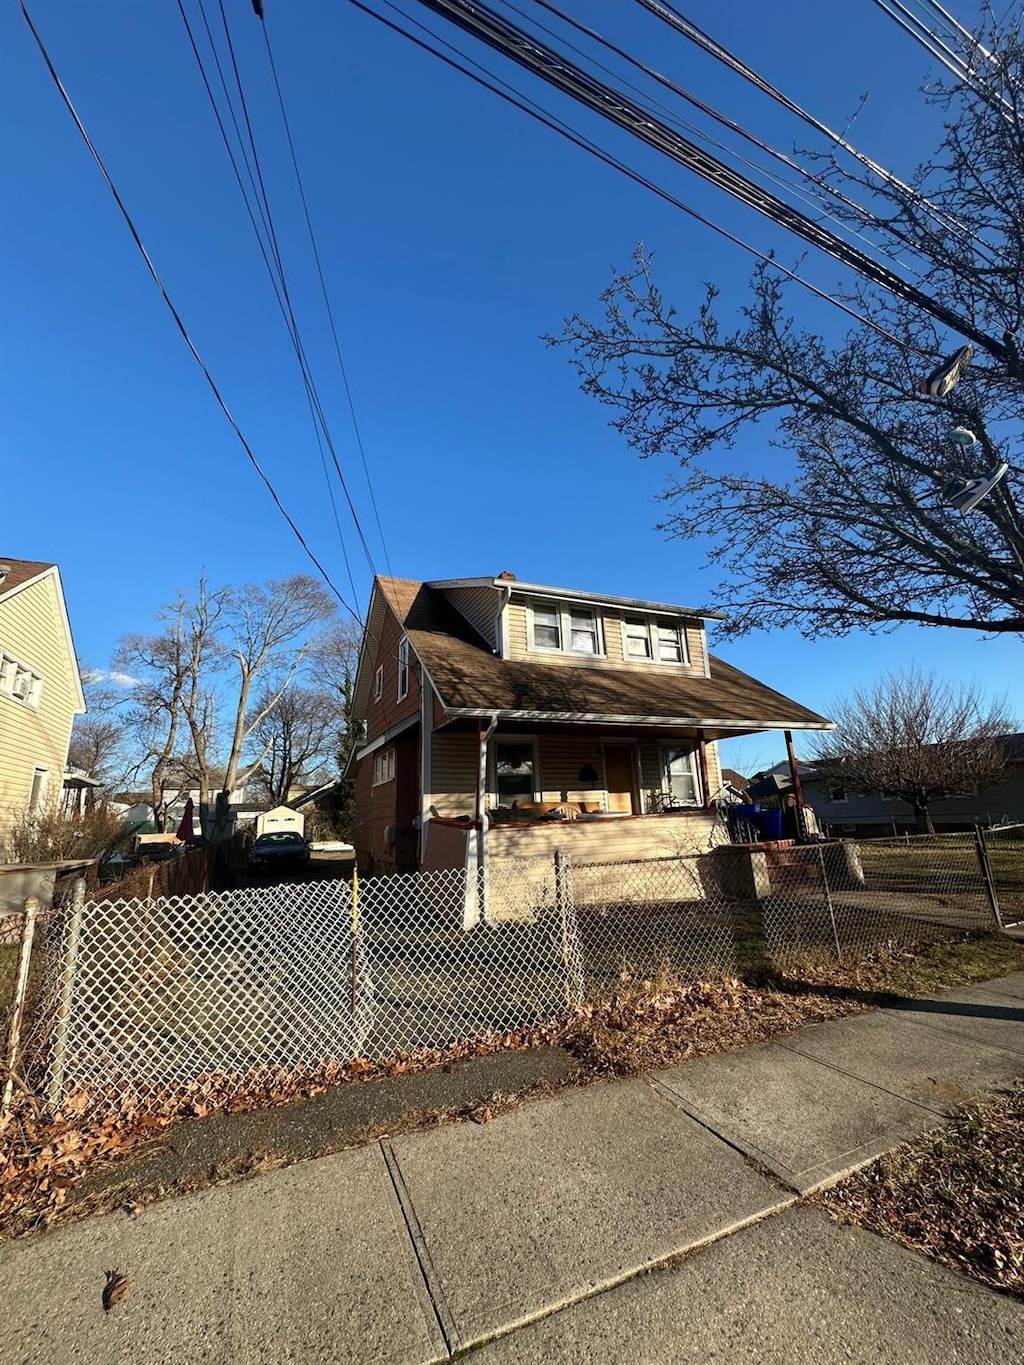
454 232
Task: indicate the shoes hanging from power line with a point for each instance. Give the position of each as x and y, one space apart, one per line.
947 374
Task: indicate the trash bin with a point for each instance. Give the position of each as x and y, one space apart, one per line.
769 822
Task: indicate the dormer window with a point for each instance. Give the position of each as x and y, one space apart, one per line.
659 641
565 629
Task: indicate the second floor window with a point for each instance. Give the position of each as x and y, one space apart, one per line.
572 630
19 681
403 669
378 683
637 632
644 637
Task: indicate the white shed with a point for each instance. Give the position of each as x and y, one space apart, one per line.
280 818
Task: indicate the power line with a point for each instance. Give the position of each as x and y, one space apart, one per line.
529 52
277 282
823 187
323 289
297 338
669 14
179 323
511 96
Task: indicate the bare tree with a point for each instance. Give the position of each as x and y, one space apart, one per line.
191 714
153 719
850 526
333 665
267 630
915 737
297 736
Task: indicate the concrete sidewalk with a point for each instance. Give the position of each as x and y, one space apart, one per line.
621 1223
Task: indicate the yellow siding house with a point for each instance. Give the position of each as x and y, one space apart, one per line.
40 688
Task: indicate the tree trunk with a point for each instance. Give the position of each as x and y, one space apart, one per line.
923 818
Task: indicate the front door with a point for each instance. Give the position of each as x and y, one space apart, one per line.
620 777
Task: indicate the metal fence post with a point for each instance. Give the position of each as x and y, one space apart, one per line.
828 901
981 848
28 930
65 992
564 907
355 944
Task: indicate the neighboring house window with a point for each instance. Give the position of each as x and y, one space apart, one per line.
18 681
403 668
515 771
644 637
37 794
837 795
378 683
680 781
575 630
383 767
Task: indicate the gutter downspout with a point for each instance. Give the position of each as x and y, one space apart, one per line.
481 815
499 621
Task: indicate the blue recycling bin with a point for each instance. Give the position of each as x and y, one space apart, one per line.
769 822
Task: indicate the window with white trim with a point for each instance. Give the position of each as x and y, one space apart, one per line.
378 683
679 780
515 771
383 767
660 641
636 634
563 629
19 682
403 668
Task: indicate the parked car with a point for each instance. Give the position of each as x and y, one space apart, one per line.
281 849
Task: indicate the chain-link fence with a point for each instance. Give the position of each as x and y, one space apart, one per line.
641 918
145 1001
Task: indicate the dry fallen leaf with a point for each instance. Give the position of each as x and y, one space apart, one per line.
114 1290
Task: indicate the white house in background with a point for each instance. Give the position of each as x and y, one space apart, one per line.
278 819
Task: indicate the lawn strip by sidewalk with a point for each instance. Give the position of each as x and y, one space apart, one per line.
956 1194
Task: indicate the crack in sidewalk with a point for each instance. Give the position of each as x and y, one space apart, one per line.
435 1295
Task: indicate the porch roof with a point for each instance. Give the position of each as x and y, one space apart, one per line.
472 681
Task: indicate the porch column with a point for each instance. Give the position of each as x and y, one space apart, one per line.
702 759
794 771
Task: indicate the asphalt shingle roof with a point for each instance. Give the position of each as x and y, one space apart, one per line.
469 677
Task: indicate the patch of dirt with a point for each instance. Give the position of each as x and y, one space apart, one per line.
956 1194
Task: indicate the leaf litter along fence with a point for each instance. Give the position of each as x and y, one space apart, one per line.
148 1004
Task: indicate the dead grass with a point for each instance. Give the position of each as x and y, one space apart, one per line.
956 1194
656 1022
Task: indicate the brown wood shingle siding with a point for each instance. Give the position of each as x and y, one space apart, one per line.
389 711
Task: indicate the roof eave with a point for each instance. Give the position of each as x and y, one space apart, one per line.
637 604
604 718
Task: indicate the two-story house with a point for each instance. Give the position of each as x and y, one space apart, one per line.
513 719
40 688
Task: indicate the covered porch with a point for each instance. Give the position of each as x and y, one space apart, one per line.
601 792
